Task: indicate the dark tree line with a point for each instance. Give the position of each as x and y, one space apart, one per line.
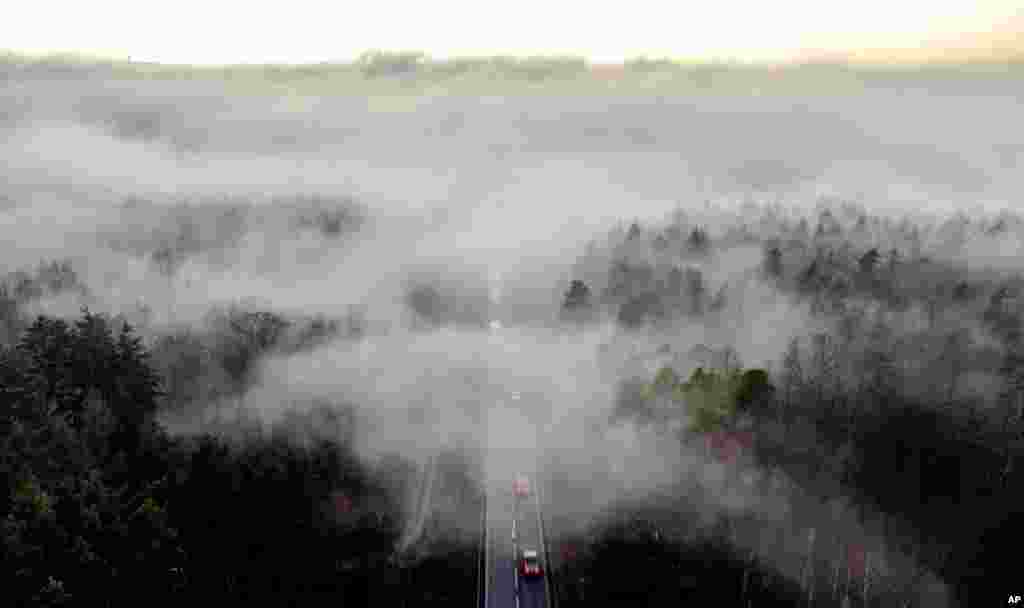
101 507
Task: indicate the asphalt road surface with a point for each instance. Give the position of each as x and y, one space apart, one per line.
512 525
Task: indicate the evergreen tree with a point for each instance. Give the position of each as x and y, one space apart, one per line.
634 231
138 384
47 347
577 297
868 261
698 240
695 290
773 261
792 373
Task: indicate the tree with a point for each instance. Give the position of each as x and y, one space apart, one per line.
577 297
1001 315
694 290
675 287
246 336
698 240
961 292
167 259
634 231
112 511
792 373
868 261
894 259
877 363
825 364
773 261
755 389
710 398
641 308
47 348
138 385
862 225
811 278
955 347
720 300
182 360
1011 399
802 230
94 362
626 279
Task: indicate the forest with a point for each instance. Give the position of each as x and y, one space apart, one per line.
908 425
283 346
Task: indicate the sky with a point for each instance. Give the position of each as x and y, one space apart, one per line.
307 31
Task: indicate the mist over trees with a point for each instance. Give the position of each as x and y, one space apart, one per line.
238 333
104 507
905 406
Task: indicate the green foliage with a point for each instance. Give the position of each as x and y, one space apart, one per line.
667 377
711 398
28 493
754 386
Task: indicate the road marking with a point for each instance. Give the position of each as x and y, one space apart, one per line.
515 555
515 582
543 548
487 543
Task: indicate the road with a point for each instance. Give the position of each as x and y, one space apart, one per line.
513 524
423 504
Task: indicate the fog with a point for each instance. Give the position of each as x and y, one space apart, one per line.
493 201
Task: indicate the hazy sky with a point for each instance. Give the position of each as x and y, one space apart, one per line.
299 31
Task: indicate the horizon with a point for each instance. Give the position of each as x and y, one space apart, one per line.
866 59
311 33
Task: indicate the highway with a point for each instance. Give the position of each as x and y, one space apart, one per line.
513 524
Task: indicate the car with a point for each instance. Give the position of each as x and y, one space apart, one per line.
529 564
521 486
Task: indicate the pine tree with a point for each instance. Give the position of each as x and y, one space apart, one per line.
695 289
773 261
47 346
139 385
698 240
878 365
868 261
634 231
93 362
577 297
955 347
792 373
1011 399
825 365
